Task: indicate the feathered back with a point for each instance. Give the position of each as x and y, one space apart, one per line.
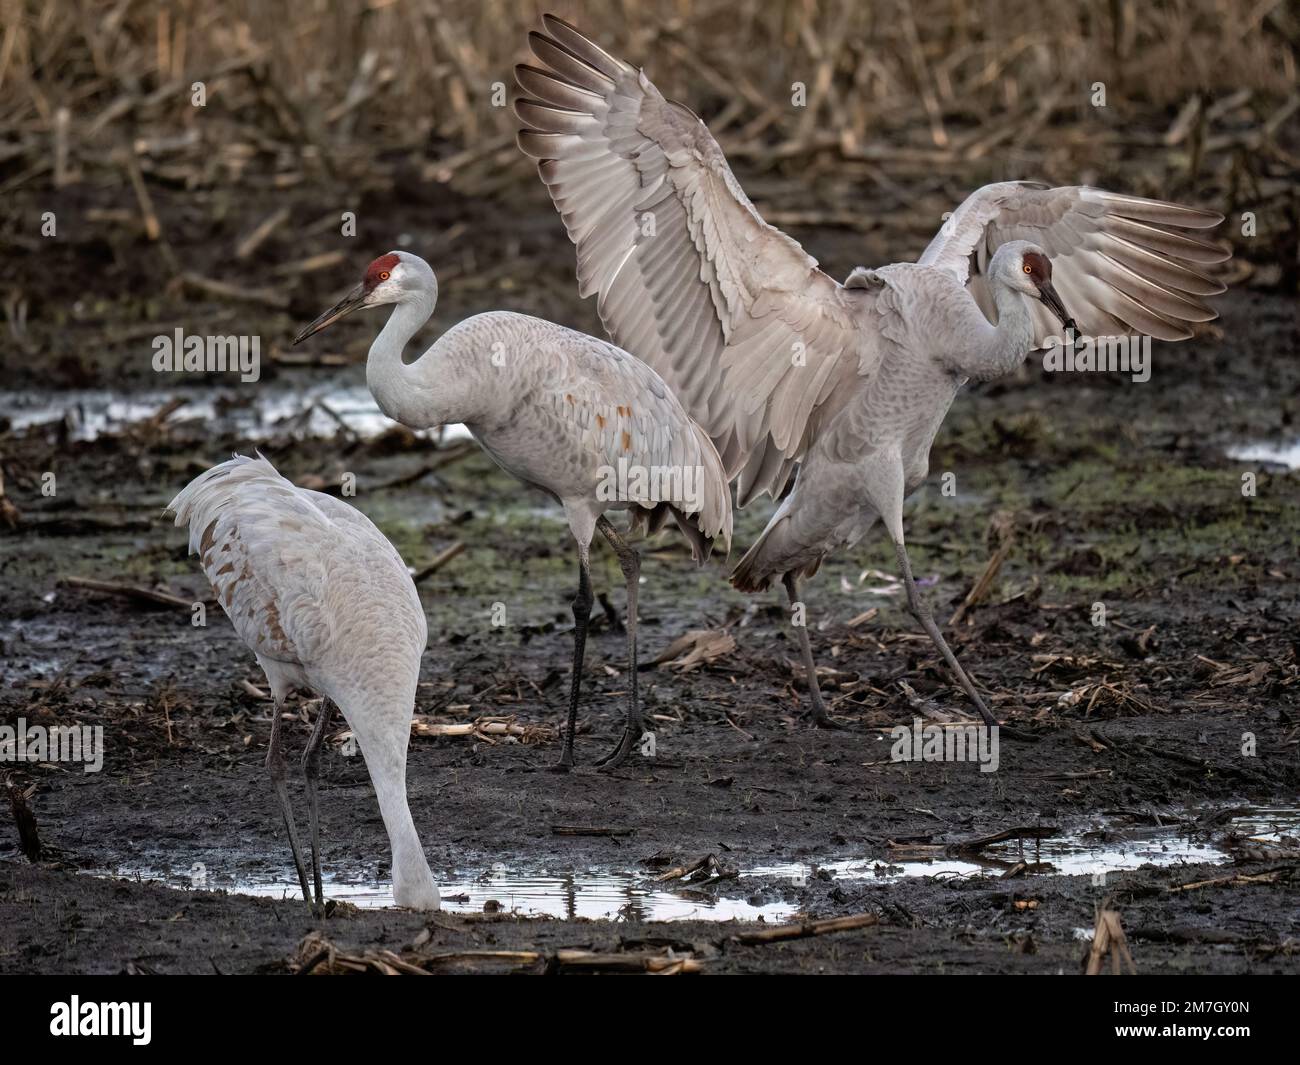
304 577
196 504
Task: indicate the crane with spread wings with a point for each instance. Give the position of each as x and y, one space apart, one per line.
785 367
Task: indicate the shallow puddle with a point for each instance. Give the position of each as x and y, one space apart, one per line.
1277 454
749 896
1088 852
254 414
593 895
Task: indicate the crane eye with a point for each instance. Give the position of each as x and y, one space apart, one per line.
1028 269
385 275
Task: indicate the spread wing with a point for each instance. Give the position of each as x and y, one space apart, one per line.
753 338
1122 265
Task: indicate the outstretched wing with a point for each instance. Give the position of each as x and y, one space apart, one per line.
737 318
1122 265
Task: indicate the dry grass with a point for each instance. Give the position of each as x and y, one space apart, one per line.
337 82
329 102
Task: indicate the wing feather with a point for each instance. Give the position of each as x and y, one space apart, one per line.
1122 264
735 315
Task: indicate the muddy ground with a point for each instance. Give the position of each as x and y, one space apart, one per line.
1115 493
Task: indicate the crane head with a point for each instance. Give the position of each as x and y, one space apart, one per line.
388 279
1026 268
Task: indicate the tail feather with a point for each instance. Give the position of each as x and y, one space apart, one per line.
711 520
196 504
772 556
701 544
714 519
646 521
749 574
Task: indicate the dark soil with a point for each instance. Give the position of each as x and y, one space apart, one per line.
1117 493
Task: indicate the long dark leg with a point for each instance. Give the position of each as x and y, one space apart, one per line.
630 562
311 770
820 715
581 615
275 763
921 611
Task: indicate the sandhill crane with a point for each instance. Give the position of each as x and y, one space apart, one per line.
575 416
782 364
325 603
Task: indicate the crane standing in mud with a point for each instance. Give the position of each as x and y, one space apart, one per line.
325 603
583 420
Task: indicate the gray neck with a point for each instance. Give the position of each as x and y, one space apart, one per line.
997 350
426 392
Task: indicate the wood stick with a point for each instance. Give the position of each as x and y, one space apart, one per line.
156 419
443 557
579 830
130 591
152 227
984 582
321 261
261 232
1269 877
483 727
679 872
450 455
225 290
316 952
1108 939
654 963
518 957
974 846
62 117
28 837
806 929
10 515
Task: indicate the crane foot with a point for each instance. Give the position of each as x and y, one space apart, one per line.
619 754
1018 735
821 717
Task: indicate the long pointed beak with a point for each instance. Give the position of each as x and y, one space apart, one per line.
1049 296
349 303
